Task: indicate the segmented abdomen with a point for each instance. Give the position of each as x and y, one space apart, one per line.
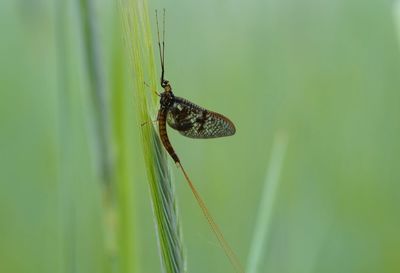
162 130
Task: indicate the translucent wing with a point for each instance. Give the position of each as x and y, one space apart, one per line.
194 121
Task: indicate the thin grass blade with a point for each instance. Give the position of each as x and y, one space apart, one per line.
137 34
266 207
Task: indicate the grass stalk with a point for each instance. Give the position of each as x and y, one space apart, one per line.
124 158
396 16
66 261
101 117
137 35
266 207
100 125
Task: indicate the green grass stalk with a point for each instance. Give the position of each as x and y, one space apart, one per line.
66 261
122 114
396 15
266 207
100 125
137 34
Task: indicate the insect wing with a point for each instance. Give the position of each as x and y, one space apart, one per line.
194 121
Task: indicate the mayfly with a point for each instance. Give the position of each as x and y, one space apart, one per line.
191 121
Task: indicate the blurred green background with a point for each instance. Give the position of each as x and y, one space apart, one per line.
324 73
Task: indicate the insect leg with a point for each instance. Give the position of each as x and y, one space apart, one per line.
155 91
147 122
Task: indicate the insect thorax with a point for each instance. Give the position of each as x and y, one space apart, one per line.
166 99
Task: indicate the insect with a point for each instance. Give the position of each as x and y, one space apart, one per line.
191 121
184 116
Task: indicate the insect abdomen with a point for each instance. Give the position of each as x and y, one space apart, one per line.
164 136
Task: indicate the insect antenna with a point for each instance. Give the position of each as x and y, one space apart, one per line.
214 227
161 50
163 38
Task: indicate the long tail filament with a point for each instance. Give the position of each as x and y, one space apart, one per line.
214 227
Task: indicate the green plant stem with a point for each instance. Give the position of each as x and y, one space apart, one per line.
139 43
97 88
266 207
100 124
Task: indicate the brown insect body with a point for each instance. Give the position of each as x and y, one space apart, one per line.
184 116
166 101
192 121
189 119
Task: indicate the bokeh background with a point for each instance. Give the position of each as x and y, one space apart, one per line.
323 74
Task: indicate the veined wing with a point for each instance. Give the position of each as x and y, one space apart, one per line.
194 121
